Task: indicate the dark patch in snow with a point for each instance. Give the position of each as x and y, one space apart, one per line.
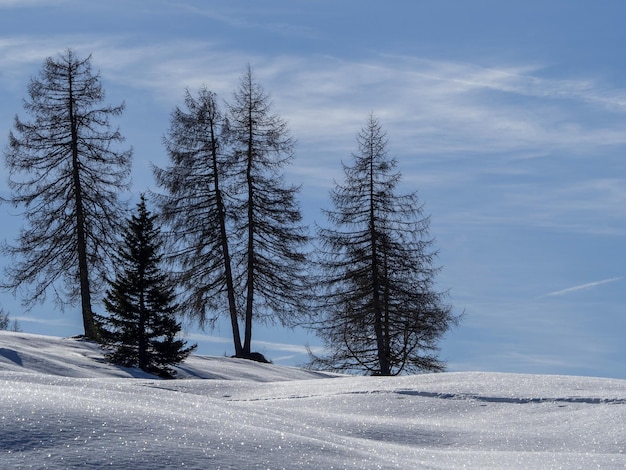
514 400
256 357
11 355
391 435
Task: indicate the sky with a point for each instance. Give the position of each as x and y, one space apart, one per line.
508 118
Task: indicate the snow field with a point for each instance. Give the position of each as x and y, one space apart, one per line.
62 407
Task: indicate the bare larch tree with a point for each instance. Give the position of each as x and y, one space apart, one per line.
234 224
66 173
269 231
194 207
378 309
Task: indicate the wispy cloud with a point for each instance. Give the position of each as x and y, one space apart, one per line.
295 348
589 285
252 16
454 124
268 345
436 106
56 321
28 3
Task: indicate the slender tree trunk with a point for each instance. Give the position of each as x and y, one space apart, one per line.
386 301
230 286
91 331
142 344
383 359
250 264
251 228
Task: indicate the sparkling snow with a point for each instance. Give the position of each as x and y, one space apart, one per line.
62 406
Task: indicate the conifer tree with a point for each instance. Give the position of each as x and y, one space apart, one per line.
6 323
239 242
195 206
268 229
379 311
65 171
141 328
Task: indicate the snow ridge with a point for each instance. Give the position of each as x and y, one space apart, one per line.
63 407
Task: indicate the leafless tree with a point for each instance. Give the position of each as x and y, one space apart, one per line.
66 173
268 228
194 207
378 308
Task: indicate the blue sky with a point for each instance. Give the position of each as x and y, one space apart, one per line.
509 118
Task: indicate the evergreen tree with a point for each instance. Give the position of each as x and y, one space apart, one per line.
141 328
379 310
66 173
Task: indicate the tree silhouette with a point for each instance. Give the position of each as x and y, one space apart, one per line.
195 207
66 174
141 328
237 239
379 312
271 238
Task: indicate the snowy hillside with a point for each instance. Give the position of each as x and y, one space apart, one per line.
61 406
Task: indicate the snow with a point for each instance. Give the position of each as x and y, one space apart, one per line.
62 406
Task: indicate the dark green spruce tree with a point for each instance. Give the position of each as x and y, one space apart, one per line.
141 328
379 311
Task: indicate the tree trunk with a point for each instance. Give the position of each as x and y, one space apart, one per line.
383 359
250 266
91 331
142 343
250 263
230 286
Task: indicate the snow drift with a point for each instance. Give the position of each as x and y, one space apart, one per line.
62 406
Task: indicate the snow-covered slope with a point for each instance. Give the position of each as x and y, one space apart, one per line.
75 357
62 407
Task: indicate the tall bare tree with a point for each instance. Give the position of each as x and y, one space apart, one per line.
379 310
235 225
194 207
66 173
272 239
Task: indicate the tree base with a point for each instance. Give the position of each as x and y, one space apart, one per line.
254 356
